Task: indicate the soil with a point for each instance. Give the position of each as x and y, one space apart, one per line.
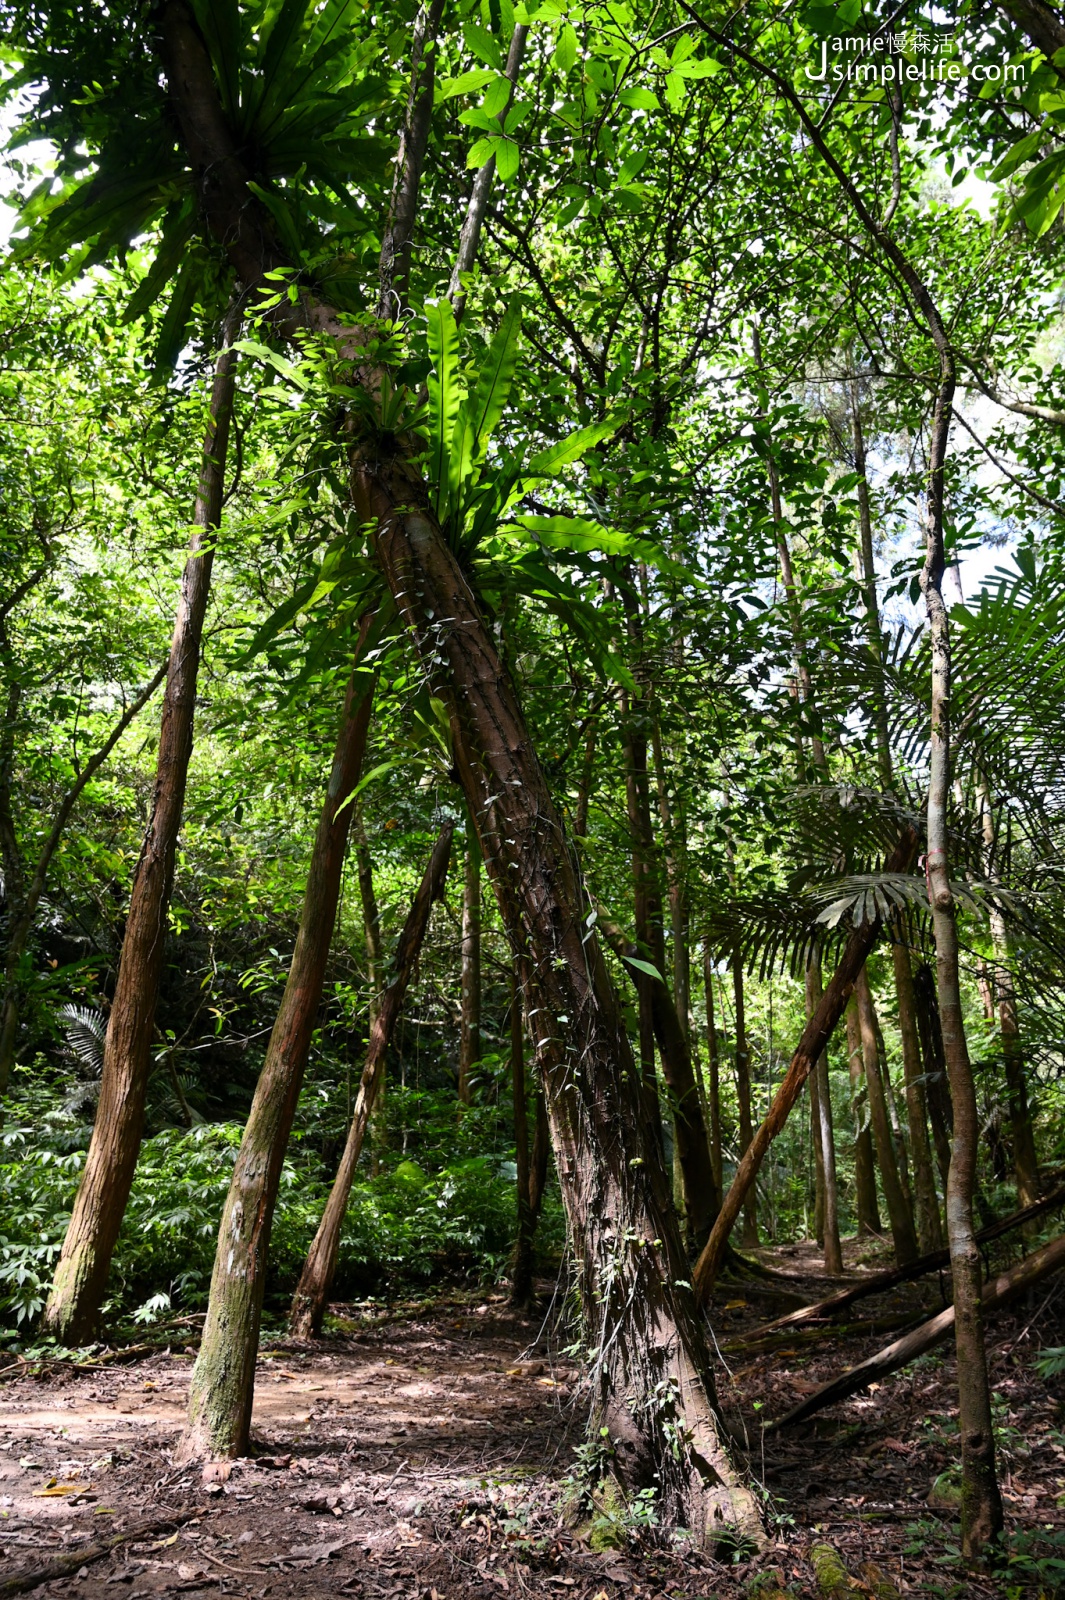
424 1453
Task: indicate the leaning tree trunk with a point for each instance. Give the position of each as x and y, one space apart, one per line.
85 1260
900 1215
652 1379
223 1379
653 1403
312 1292
470 1021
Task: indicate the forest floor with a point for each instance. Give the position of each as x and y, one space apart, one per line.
423 1453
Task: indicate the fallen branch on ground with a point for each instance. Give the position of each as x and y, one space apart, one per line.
996 1293
881 1281
73 1560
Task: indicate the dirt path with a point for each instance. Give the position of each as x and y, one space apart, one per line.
424 1458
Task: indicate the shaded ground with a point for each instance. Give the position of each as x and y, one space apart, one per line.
425 1457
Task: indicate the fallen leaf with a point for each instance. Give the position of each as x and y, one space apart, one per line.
316 1552
185 1571
59 1488
31 1464
163 1544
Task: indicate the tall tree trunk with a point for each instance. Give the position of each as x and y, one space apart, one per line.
713 1067
814 1089
223 1378
981 1509
822 1100
865 1199
312 1291
470 1022
900 1215
653 1382
85 1260
749 1236
940 1109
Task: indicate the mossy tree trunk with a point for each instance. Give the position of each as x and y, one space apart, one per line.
223 1378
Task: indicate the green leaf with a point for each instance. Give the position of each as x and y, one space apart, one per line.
566 48
640 99
572 448
645 967
445 394
508 158
465 83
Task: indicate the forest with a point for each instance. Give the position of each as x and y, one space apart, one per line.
532 889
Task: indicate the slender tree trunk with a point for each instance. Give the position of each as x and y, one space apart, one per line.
981 1510
900 1216
470 1026
584 786
312 1291
223 1378
85 1260
1004 996
532 1166
940 1109
814 1090
22 914
371 922
659 1017
929 1227
749 1235
865 1199
652 1375
713 1067
824 1140
929 1230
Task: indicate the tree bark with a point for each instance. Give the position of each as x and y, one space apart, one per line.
865 1197
900 1215
85 1260
312 1291
815 1037
223 1378
940 1109
825 1141
651 1376
470 1025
